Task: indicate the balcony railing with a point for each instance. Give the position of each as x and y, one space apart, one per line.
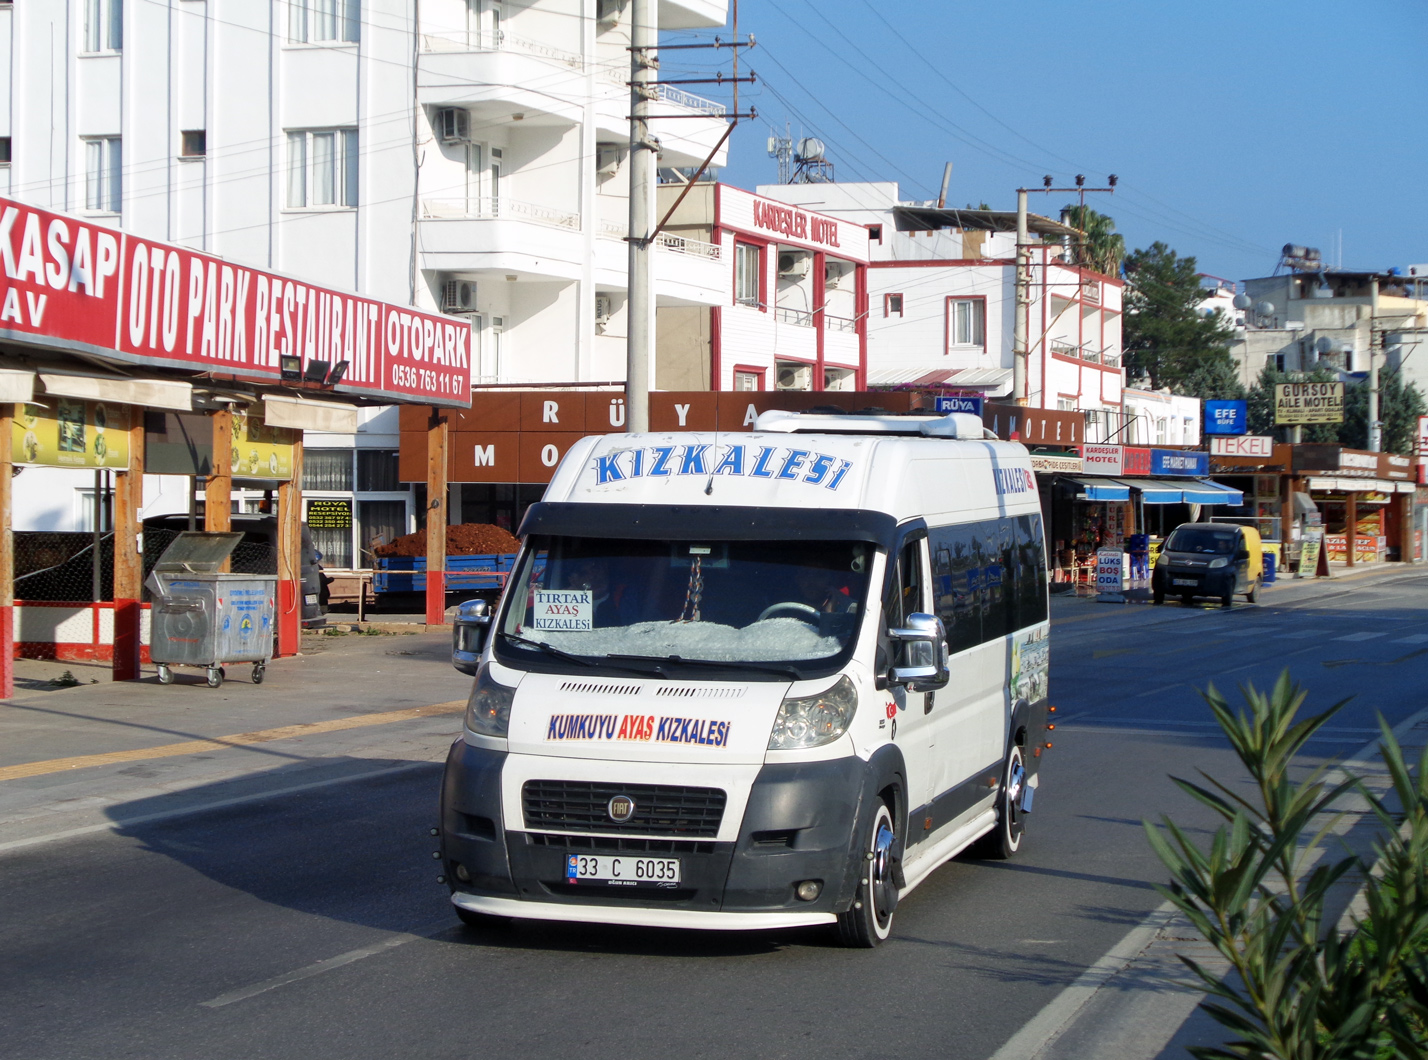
1109 358
799 317
469 41
488 207
832 323
667 93
695 248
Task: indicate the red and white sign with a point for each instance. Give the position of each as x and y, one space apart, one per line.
69 284
781 223
1242 445
1101 459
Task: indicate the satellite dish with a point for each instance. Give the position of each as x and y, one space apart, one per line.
810 149
1264 309
1242 301
1324 344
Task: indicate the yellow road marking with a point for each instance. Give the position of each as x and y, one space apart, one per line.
217 743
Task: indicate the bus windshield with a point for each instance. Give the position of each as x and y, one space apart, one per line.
713 601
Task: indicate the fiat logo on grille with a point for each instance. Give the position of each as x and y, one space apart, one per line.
621 808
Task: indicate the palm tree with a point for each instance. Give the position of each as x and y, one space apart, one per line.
1101 247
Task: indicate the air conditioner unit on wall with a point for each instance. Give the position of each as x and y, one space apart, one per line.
607 160
453 125
458 296
604 304
793 263
794 377
833 273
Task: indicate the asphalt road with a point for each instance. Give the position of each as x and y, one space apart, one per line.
312 926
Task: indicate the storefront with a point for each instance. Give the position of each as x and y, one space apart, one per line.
1365 501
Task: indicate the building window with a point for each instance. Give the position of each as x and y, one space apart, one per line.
746 274
103 174
966 322
327 469
892 305
322 168
194 143
4 150
875 233
377 471
748 379
313 21
103 25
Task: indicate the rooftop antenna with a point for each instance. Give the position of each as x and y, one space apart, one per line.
781 148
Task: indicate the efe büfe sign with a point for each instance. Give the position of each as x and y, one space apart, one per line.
72 285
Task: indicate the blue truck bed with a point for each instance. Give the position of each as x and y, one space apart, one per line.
407 574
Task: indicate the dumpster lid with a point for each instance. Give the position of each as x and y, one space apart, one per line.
197 552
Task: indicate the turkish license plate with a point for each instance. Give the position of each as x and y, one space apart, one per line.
621 870
1184 581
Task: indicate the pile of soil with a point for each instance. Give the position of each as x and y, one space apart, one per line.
464 539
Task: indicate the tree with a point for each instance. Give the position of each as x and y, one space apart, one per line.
1399 406
1261 405
1169 342
1102 247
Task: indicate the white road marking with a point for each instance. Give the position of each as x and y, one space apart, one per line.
1417 638
316 968
1301 634
1365 635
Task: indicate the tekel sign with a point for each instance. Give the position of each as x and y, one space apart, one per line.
1260 445
72 285
1309 403
972 405
1226 417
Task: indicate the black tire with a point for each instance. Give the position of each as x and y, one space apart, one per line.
215 676
1187 599
1003 841
1157 598
1228 600
166 674
1254 591
481 921
259 672
869 921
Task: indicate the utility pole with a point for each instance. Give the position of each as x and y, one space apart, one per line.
1023 302
1375 428
644 37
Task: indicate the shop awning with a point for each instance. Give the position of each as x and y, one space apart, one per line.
1158 491
1353 485
1102 489
1203 491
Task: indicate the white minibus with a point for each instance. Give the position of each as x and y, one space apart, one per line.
754 680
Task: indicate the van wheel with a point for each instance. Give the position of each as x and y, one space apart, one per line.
1228 600
1005 839
1157 597
1254 591
869 921
1187 599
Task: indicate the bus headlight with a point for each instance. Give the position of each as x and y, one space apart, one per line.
812 721
488 711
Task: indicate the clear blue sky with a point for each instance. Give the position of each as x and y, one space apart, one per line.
1234 128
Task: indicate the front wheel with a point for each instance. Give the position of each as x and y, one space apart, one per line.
1005 839
215 676
1253 591
869 921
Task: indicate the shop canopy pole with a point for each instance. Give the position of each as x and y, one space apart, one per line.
7 557
290 558
436 481
218 491
128 563
1351 531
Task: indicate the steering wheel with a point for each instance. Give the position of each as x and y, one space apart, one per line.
793 608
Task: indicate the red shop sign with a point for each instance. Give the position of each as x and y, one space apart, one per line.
1135 461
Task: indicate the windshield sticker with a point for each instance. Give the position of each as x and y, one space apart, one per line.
571 609
747 461
645 728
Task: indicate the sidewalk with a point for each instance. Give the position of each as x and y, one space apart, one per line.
350 705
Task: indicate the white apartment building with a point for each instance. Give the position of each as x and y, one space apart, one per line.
470 159
942 298
1158 417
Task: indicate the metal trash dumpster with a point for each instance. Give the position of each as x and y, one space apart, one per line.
203 618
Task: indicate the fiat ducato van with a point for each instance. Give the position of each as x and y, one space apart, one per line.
755 680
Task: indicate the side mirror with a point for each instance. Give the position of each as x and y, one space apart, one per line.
468 635
924 651
1242 554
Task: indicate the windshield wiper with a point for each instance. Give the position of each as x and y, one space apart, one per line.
777 668
580 660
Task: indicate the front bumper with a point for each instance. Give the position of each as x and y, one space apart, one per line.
800 822
1203 582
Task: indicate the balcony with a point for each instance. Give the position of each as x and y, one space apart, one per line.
491 76
471 234
687 271
685 139
1087 353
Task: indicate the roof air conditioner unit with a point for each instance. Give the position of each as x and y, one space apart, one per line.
793 263
453 125
794 377
458 296
607 160
603 305
833 273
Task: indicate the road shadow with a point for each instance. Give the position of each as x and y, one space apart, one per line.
349 839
